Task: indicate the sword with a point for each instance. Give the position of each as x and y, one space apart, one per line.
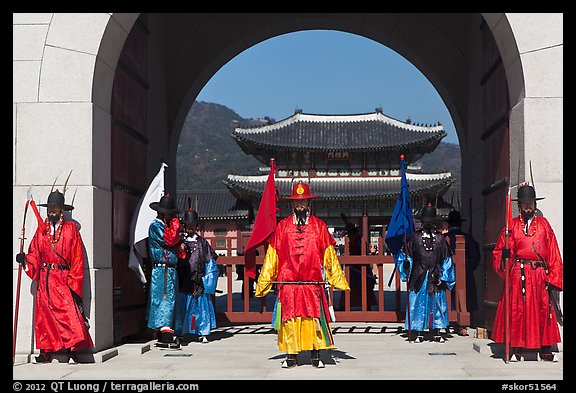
552 292
298 282
325 283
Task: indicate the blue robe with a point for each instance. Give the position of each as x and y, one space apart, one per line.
163 282
421 303
195 313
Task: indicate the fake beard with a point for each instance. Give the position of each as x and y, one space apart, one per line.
301 216
527 215
428 225
53 218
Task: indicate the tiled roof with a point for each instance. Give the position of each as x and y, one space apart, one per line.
361 132
345 188
213 204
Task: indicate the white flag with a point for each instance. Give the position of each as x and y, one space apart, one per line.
141 220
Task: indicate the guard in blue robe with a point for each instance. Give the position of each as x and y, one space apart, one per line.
197 279
427 267
163 240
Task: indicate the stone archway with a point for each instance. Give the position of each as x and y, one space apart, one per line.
64 67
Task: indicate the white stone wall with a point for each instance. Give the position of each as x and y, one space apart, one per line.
537 113
57 127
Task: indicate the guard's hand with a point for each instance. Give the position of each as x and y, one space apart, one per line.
441 285
174 223
21 258
406 265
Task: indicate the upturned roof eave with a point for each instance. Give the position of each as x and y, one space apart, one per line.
253 145
257 193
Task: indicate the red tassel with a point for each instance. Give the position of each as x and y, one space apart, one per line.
193 323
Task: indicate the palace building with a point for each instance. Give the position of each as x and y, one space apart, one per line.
350 161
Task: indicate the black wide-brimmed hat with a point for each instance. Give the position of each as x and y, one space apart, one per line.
165 205
454 218
526 193
428 212
190 217
57 198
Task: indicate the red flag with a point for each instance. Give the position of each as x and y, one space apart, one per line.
37 214
265 223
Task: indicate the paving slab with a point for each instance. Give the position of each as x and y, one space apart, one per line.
363 351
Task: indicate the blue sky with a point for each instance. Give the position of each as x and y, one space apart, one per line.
326 72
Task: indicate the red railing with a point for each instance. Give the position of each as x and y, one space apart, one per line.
391 303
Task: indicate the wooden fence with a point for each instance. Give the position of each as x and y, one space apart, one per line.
233 308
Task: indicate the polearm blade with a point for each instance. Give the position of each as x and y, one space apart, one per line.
29 193
74 196
26 204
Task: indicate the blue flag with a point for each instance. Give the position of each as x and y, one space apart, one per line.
401 224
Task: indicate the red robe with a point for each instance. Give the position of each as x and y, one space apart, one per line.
58 323
533 321
301 257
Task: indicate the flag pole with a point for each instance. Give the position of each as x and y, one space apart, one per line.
400 229
264 223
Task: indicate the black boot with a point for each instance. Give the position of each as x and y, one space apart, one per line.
290 361
546 354
73 357
413 335
316 361
515 354
419 337
44 357
167 339
437 337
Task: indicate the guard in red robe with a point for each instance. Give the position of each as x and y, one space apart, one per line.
535 274
301 259
55 260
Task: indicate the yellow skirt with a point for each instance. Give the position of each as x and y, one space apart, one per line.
304 334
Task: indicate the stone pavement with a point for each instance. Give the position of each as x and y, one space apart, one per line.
364 351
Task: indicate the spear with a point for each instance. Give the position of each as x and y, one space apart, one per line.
22 237
506 254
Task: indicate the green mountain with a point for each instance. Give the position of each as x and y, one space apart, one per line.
207 153
445 158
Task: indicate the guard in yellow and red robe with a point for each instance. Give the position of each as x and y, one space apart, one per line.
300 259
55 260
535 271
